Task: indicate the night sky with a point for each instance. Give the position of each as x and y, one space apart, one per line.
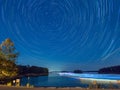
63 34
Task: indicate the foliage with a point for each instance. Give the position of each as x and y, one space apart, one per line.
32 70
8 68
110 70
7 48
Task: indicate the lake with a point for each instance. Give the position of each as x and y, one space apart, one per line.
53 80
71 80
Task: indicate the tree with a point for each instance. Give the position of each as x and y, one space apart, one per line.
8 49
8 55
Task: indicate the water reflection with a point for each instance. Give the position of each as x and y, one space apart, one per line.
96 80
74 80
53 80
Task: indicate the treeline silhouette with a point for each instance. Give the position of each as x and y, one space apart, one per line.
31 70
110 70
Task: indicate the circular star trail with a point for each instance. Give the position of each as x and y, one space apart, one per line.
59 33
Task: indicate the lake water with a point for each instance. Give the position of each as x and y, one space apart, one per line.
70 80
53 80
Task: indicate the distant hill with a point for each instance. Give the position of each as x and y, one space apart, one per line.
77 71
110 70
31 71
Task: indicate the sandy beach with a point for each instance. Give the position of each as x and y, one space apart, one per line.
48 88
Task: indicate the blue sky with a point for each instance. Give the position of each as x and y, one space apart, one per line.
62 34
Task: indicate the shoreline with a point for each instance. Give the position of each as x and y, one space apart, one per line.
4 87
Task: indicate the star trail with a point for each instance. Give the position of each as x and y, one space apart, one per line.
63 34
